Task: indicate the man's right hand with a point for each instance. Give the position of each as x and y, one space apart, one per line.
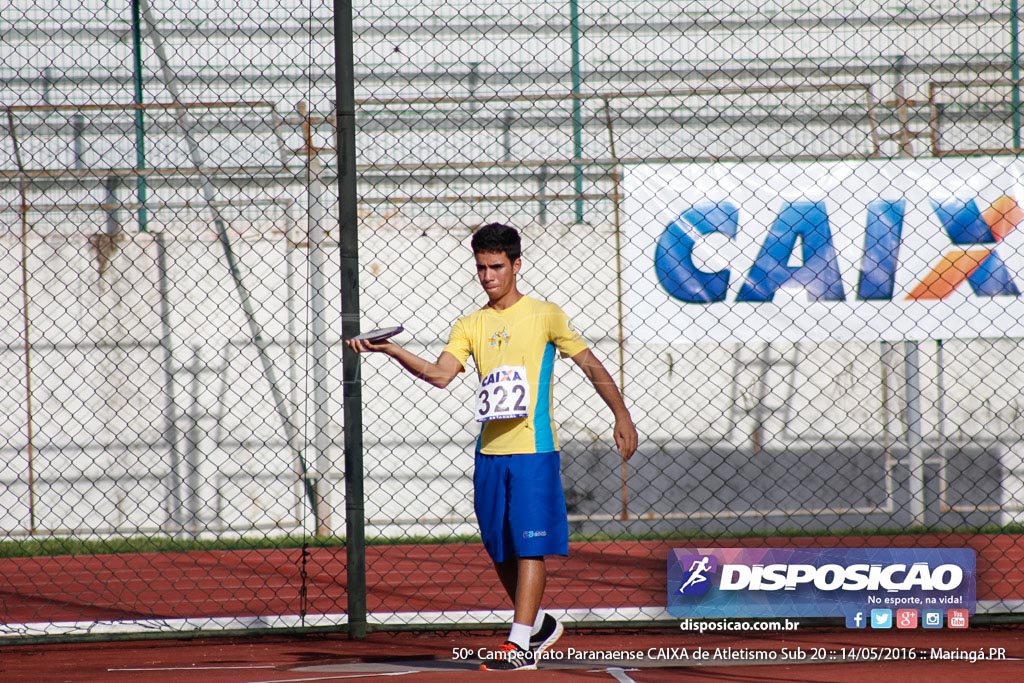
367 346
439 374
626 438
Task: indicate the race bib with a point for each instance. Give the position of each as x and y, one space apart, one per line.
504 394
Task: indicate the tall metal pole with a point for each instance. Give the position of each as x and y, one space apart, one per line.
175 524
577 114
915 433
352 409
193 502
616 202
1015 70
317 240
26 321
140 120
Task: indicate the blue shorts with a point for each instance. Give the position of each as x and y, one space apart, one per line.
520 505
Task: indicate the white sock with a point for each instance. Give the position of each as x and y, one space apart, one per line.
520 635
538 622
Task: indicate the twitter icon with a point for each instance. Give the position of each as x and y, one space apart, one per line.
881 618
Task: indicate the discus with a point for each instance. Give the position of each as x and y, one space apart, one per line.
378 335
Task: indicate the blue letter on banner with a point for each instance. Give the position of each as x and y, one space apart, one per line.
673 259
819 273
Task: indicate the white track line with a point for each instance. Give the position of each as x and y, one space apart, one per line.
195 668
335 678
618 673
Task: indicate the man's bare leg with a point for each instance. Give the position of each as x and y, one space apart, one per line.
524 579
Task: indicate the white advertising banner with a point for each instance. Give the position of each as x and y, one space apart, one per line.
868 250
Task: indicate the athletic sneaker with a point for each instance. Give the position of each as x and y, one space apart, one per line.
551 630
509 657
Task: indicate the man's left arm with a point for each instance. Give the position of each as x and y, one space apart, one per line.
624 432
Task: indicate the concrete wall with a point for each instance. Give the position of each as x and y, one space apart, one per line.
101 412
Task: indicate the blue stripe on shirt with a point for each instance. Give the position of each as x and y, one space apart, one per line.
544 439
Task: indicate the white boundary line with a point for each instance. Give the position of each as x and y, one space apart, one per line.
439 619
190 668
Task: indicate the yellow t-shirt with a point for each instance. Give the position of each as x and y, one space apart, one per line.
526 334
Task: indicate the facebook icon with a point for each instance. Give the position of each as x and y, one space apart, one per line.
856 619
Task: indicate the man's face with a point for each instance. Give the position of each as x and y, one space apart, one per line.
497 275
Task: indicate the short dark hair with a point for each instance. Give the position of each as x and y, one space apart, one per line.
497 238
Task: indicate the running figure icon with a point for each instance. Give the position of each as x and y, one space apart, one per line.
697 570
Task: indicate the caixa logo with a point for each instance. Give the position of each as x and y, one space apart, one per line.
974 235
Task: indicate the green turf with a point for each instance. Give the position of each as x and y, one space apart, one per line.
68 546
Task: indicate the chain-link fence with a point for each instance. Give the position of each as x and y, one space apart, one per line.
787 229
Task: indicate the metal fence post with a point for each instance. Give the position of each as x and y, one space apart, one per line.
344 80
577 104
140 115
915 435
1015 70
170 432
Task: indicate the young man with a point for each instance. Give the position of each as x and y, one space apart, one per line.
518 495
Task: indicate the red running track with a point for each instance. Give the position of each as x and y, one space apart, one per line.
400 578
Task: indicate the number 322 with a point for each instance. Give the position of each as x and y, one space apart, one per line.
500 395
